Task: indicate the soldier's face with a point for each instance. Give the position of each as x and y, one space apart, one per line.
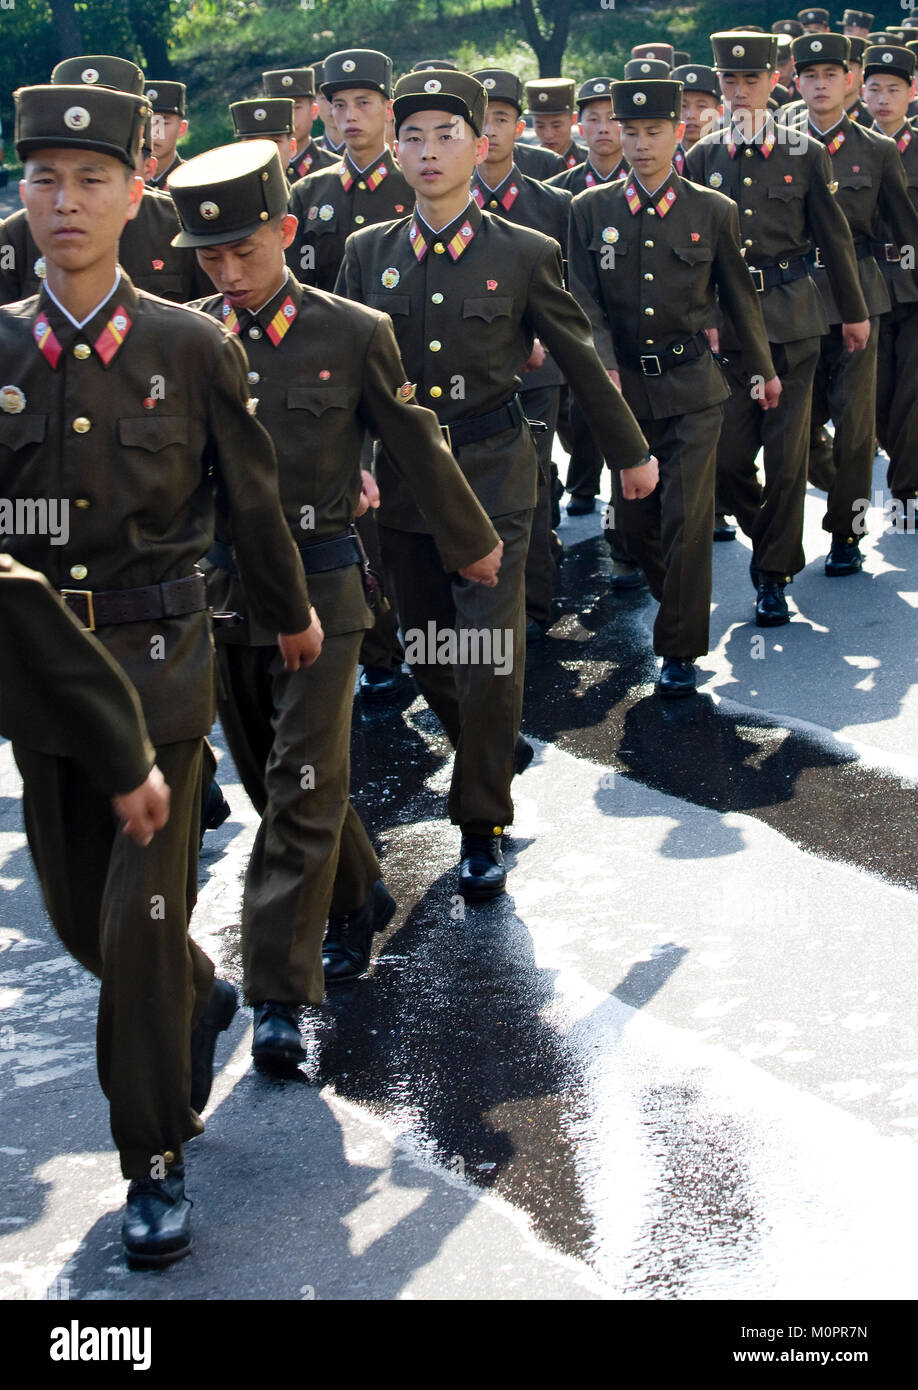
250 271
699 112
824 86
649 147
327 116
361 118
747 91
601 131
168 128
887 97
502 125
554 130
78 202
305 111
438 152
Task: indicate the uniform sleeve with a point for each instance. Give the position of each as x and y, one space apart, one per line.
55 673
584 278
412 438
350 280
693 168
12 258
557 319
739 298
833 237
895 204
246 470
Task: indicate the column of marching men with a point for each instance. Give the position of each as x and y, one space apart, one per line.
268 376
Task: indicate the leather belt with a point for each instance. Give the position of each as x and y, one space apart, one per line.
781 273
108 607
508 416
656 363
886 251
862 249
317 559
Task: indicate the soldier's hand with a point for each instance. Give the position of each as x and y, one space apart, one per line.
615 378
713 337
144 810
771 393
485 571
369 493
302 648
856 335
640 482
536 357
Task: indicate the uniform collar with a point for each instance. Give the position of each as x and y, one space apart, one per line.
592 176
53 332
159 180
764 141
453 239
303 160
903 136
834 137
506 192
656 204
679 158
274 319
373 175
572 156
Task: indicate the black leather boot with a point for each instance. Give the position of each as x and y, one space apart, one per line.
349 940
156 1228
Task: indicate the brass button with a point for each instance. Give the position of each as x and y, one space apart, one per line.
168 1156
255 332
81 351
749 154
493 203
747 182
748 211
748 241
360 219
436 391
81 425
435 345
651 212
648 243
82 504
362 185
436 298
439 248
649 312
648 342
648 275
78 571
252 377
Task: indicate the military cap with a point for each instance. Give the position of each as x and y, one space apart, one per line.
680 57
647 101
792 27
594 89
166 98
548 95
695 77
912 47
85 118
748 29
435 65
318 69
146 140
739 50
821 48
99 70
890 58
646 70
813 17
858 48
857 19
226 194
881 36
357 67
909 30
499 84
262 116
289 82
664 52
449 91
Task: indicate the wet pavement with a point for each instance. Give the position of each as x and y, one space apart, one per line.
678 1060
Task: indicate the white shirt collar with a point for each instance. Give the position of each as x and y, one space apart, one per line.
433 230
257 311
104 300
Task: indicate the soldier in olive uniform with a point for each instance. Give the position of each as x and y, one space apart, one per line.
467 293
857 23
266 118
648 255
300 85
889 75
324 370
330 140
657 52
784 189
550 101
137 410
702 103
167 102
873 195
814 21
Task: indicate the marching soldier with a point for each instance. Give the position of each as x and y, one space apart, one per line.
467 292
330 140
814 21
702 104
550 101
324 370
266 118
647 256
889 77
872 192
167 102
299 84
139 410
658 52
784 189
857 24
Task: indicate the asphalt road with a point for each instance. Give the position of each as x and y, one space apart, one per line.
677 1061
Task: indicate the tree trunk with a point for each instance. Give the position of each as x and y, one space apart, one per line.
548 48
66 29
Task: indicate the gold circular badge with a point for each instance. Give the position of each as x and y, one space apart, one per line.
390 277
76 118
209 210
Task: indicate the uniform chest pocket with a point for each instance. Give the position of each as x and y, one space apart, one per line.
16 431
693 255
163 285
488 308
317 226
317 399
608 248
786 192
855 181
390 303
153 432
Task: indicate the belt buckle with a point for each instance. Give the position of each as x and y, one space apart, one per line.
758 283
818 262
651 357
444 430
892 251
90 626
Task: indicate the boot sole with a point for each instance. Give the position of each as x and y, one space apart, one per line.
480 895
669 692
771 622
136 1260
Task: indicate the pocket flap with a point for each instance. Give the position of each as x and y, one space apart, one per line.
488 308
316 398
153 431
693 255
390 303
18 430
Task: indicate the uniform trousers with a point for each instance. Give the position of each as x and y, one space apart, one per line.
122 911
541 565
897 387
844 391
